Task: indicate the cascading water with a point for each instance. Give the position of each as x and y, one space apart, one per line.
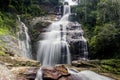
54 49
24 40
67 9
76 39
87 75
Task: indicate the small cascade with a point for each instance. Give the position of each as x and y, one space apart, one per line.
24 40
87 75
67 9
75 37
72 2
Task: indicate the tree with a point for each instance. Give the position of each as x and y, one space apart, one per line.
104 43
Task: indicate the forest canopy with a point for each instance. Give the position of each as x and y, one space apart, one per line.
101 23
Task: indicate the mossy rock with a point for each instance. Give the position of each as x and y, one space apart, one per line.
2 50
15 61
1 53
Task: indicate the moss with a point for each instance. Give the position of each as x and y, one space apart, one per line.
2 50
4 31
1 53
7 23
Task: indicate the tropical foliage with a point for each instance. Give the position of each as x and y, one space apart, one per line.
101 21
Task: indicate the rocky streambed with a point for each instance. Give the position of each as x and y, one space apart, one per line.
18 68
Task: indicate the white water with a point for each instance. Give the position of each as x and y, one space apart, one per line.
87 75
72 2
24 40
54 44
54 49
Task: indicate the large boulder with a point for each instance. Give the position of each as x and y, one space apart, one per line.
53 73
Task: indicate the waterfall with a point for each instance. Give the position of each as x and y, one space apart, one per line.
67 9
72 2
54 49
24 40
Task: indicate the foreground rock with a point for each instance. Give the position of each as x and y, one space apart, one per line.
5 73
54 73
62 73
21 68
103 67
25 73
15 61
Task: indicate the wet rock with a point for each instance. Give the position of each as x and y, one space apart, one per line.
50 73
55 73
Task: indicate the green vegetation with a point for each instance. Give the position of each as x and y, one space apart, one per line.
112 65
27 9
21 7
7 24
3 31
2 51
101 22
52 2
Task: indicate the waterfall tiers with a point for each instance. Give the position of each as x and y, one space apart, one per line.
55 49
55 45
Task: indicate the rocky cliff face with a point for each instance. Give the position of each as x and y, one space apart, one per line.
10 44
